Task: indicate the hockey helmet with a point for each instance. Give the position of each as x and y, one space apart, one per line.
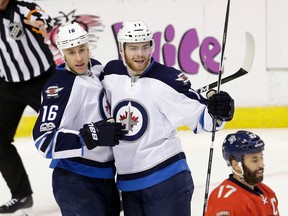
71 35
240 143
133 32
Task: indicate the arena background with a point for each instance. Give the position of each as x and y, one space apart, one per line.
182 28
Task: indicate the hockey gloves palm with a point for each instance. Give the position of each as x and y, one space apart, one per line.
102 133
220 105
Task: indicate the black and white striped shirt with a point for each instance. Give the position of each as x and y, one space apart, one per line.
23 53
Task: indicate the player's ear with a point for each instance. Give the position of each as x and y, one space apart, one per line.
235 166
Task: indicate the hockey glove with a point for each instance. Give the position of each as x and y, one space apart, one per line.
102 133
220 105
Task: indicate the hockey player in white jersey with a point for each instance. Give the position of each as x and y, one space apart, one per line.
153 100
82 157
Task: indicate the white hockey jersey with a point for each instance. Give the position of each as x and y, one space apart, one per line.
152 107
68 102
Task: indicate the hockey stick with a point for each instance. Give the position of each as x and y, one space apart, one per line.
246 67
214 120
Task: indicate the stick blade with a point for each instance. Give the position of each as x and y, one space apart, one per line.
250 52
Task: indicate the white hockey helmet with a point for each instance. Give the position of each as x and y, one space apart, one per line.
133 32
71 35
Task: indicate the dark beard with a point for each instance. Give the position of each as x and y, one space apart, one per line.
251 177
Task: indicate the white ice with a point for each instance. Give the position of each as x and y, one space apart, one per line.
196 147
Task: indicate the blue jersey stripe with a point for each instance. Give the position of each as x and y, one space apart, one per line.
155 178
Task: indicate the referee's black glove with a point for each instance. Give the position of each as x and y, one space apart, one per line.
102 133
220 105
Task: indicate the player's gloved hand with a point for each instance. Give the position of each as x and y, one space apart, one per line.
220 105
102 133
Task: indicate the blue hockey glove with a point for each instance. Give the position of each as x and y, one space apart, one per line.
220 105
102 133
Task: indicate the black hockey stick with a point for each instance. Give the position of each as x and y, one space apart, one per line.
246 67
214 121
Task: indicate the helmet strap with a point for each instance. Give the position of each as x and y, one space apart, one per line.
241 175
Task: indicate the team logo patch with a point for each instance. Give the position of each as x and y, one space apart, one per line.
53 91
223 213
182 77
133 115
129 121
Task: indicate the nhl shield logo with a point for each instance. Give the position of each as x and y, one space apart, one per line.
15 31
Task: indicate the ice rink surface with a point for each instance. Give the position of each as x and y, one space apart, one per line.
196 147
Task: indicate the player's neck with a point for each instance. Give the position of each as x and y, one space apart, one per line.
242 180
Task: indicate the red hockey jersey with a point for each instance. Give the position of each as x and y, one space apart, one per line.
231 198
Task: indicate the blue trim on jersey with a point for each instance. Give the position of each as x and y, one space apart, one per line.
49 153
201 121
37 144
61 67
54 163
44 137
155 178
82 144
82 169
148 68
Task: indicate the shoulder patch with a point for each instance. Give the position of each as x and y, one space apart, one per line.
223 213
53 91
182 77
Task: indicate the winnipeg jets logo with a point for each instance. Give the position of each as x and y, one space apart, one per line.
182 77
53 91
134 116
129 120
